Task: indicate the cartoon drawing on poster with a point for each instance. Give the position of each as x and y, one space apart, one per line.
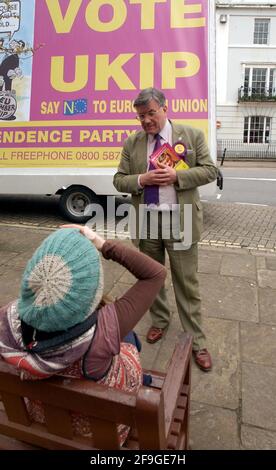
16 52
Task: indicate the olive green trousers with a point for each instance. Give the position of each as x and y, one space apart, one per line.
184 265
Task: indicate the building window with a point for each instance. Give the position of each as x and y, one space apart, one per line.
259 82
261 31
256 130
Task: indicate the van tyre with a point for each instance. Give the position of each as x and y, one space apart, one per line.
74 203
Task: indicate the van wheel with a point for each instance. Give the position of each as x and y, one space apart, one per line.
74 202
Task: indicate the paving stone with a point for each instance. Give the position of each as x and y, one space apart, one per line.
144 324
220 387
168 343
258 343
271 263
117 290
209 262
257 439
267 305
10 283
11 241
260 262
258 396
267 278
6 256
238 265
128 278
213 428
234 298
112 274
109 282
3 269
270 244
149 353
20 261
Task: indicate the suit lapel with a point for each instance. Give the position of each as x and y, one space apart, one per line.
178 135
141 154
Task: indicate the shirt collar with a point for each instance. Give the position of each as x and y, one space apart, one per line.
164 133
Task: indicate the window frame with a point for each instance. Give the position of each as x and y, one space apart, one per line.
257 33
250 133
270 84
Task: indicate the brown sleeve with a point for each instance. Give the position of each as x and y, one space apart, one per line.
137 300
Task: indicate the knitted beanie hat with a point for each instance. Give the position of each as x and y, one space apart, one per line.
62 283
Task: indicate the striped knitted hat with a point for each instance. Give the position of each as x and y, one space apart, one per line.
62 283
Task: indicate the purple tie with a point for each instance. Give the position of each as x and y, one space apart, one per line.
151 193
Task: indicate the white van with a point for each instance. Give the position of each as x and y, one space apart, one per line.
77 188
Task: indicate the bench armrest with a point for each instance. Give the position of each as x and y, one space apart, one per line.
178 375
169 394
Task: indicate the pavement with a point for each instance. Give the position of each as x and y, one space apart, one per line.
248 163
233 407
230 225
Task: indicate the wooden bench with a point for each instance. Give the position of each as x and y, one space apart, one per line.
158 415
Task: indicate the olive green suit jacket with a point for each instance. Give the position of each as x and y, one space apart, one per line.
202 171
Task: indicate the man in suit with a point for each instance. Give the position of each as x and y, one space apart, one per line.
165 192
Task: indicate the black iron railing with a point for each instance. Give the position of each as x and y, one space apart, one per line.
230 149
253 94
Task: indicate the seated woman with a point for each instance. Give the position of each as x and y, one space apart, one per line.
61 324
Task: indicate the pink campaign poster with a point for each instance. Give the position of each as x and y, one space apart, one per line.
79 64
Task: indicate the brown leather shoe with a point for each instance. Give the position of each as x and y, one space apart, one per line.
203 359
154 334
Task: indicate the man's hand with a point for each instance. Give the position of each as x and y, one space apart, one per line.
160 177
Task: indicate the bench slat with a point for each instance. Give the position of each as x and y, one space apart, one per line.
38 436
172 442
15 408
58 421
175 378
80 396
7 443
105 435
176 428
